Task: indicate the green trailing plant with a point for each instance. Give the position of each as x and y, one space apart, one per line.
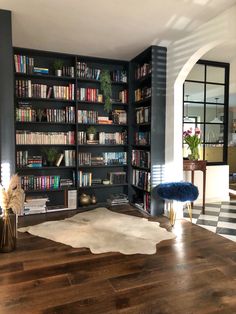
58 64
51 155
91 130
106 89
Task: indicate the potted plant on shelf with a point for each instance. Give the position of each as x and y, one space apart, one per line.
106 89
57 65
91 132
11 203
51 156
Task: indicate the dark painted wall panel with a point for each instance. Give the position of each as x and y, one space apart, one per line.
7 138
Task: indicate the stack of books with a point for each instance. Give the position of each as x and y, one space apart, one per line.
35 205
35 162
117 199
66 182
104 120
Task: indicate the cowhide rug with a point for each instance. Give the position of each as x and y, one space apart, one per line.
102 230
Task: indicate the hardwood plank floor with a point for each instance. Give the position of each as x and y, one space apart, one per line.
194 273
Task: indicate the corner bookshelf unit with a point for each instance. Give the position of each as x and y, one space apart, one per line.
147 128
53 114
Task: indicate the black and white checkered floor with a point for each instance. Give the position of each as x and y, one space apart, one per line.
219 218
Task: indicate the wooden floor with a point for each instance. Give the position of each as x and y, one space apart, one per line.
195 273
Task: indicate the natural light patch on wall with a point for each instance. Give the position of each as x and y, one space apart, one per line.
5 174
158 175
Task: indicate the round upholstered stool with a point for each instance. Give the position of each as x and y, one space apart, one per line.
178 191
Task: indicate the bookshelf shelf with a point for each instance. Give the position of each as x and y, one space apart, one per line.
46 145
103 145
44 168
45 77
22 123
44 99
102 166
102 186
141 146
100 103
87 80
139 188
103 124
141 168
50 190
143 101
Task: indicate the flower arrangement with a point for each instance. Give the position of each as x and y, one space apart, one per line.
12 203
12 197
192 139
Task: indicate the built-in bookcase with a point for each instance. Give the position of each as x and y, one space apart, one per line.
55 112
147 131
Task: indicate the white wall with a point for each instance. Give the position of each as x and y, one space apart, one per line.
182 55
217 183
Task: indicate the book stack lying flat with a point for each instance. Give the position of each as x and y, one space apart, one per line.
35 205
117 199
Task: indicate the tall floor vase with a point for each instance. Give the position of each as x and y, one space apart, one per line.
8 230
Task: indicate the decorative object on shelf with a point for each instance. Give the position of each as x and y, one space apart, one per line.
106 181
192 139
12 203
84 200
91 132
93 200
58 64
51 156
100 98
106 89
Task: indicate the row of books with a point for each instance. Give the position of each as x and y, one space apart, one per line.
88 94
144 202
87 116
27 89
142 70
113 138
142 93
85 71
23 159
119 76
141 158
84 178
106 158
47 138
117 177
119 116
29 114
68 71
123 96
143 115
117 199
23 64
142 138
141 179
40 182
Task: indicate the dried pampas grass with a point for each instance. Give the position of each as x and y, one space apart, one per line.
13 197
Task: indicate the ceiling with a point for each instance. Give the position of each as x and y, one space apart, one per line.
117 29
